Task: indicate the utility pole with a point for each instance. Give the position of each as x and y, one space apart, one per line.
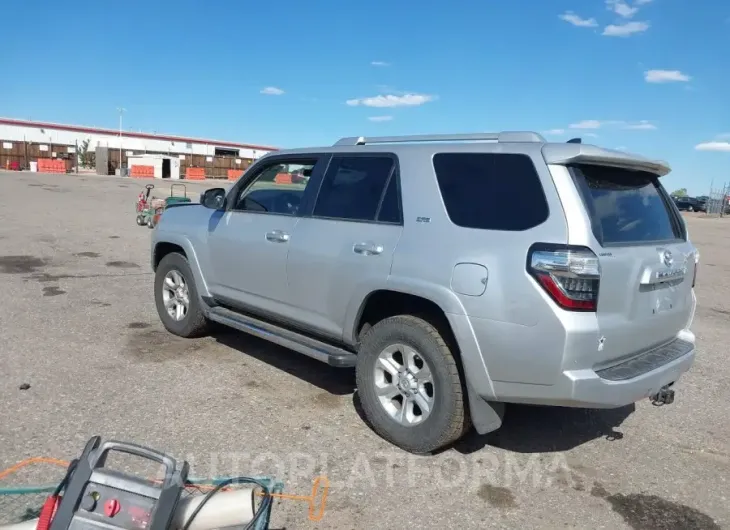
121 111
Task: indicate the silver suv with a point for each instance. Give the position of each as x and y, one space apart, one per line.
456 273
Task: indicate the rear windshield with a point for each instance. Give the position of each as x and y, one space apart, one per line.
627 206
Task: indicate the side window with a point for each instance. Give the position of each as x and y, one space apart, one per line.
491 191
352 187
390 211
277 188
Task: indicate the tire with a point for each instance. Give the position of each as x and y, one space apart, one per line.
448 418
150 223
193 323
140 220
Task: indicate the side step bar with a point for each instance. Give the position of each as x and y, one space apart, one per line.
314 348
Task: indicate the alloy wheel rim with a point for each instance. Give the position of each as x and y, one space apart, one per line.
404 384
175 295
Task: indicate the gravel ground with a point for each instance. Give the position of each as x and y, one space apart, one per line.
78 324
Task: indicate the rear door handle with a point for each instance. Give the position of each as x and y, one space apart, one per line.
367 249
277 236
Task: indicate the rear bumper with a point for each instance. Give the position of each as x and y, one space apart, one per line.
617 386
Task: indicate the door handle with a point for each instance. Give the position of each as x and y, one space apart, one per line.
367 249
277 236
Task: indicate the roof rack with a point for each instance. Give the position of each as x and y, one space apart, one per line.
501 137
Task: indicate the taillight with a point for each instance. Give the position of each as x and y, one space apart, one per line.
570 275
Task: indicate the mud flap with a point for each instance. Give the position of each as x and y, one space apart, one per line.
486 416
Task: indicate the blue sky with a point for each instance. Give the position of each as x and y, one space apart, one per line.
651 77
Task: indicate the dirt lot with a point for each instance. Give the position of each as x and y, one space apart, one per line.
78 324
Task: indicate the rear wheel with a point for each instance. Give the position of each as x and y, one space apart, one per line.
176 297
140 220
409 385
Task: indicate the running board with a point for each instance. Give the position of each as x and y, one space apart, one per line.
311 347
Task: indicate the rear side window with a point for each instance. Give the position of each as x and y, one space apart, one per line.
390 211
491 191
353 187
626 207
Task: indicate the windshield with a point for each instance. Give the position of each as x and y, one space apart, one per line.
626 206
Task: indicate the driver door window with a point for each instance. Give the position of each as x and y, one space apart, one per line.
277 189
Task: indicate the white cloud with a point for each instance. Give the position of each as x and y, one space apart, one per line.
714 146
391 100
643 125
665 76
625 30
598 124
561 132
272 91
576 20
380 118
379 63
621 8
586 124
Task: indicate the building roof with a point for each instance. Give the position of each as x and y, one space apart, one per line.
129 134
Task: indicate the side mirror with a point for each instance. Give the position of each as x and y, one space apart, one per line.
214 198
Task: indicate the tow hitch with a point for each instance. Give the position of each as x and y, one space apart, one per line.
665 396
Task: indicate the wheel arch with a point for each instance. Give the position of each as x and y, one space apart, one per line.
485 414
182 245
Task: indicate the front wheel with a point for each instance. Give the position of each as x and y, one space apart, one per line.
140 220
176 297
409 385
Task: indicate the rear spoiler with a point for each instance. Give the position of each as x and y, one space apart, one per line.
565 154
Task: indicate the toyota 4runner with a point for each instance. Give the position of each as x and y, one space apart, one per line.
398 256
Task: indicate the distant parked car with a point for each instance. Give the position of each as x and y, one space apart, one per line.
690 204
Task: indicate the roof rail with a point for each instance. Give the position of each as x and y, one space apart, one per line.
502 137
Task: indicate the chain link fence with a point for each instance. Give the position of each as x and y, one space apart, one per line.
718 201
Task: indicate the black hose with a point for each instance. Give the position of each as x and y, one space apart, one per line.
66 478
264 507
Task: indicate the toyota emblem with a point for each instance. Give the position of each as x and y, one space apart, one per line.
667 258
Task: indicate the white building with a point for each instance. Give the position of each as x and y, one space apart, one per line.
12 130
159 166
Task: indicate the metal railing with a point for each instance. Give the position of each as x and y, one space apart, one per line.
717 203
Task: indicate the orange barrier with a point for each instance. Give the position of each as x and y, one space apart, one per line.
142 172
283 178
51 165
195 173
234 174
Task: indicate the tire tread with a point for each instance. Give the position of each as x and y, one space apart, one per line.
196 325
459 422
